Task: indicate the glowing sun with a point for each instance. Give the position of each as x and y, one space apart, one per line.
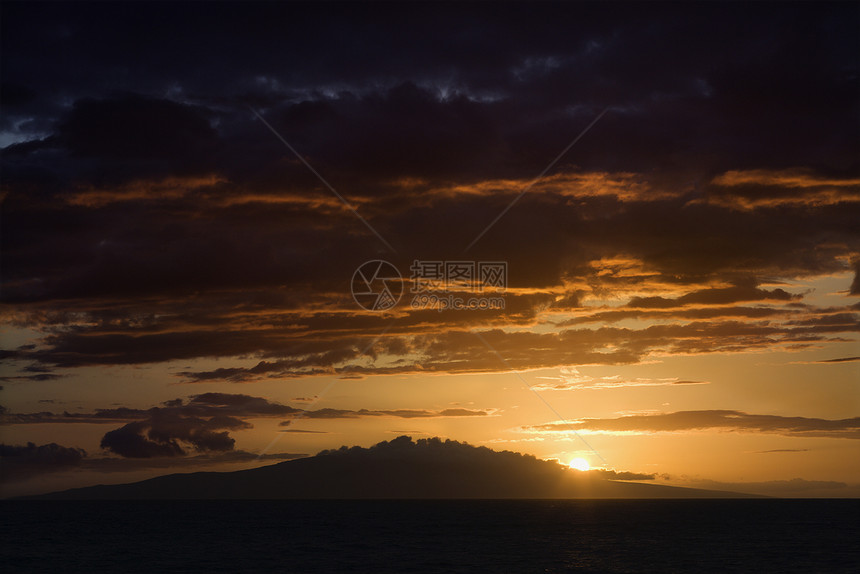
579 464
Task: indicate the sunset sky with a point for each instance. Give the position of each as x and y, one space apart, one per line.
189 189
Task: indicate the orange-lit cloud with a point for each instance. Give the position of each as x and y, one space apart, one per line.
626 187
712 420
570 379
760 188
169 188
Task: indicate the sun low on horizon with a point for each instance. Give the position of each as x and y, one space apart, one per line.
585 245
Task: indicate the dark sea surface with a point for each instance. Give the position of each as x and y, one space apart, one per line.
432 536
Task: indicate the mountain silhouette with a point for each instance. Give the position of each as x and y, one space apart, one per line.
401 469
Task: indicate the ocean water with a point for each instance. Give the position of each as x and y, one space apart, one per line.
432 536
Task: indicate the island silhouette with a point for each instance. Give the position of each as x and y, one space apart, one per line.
398 469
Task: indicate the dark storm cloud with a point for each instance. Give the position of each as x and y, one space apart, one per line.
21 462
223 409
149 216
129 441
716 420
164 433
201 423
134 128
536 56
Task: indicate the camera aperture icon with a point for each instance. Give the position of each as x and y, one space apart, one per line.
377 285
